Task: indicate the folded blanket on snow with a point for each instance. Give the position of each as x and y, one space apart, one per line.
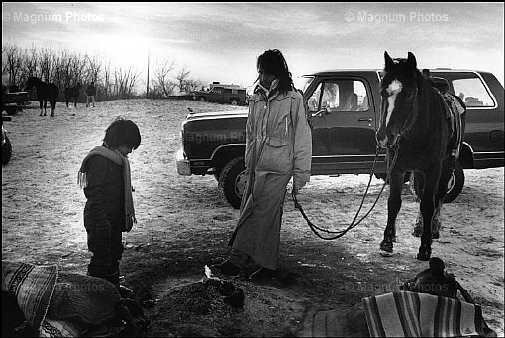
413 314
61 305
32 287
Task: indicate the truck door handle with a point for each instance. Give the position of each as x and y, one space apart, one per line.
365 119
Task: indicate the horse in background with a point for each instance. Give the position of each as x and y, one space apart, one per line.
415 128
45 92
72 92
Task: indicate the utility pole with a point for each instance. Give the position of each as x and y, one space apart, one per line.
148 61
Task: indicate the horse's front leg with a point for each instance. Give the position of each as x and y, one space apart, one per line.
394 205
45 108
431 180
41 107
53 105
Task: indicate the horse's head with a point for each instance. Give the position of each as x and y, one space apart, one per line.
32 82
399 89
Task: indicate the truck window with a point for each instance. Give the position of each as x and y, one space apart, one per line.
340 95
313 101
472 92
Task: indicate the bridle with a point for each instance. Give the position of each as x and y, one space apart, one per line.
407 122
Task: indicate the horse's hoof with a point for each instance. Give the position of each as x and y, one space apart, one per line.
424 253
386 246
385 253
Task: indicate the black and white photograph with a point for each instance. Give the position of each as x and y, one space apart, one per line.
253 169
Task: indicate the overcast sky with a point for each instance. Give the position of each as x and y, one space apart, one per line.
220 41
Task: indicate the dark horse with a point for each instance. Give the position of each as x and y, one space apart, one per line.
416 129
45 92
72 92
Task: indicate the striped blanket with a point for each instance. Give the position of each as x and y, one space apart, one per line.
413 314
32 286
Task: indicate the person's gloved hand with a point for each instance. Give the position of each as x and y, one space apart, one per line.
298 185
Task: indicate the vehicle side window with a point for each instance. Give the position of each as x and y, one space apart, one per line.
339 95
472 92
313 101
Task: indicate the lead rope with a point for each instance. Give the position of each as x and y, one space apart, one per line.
341 233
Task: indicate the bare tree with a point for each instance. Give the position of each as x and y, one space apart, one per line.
93 68
192 85
46 63
124 82
66 68
31 66
181 77
13 60
162 83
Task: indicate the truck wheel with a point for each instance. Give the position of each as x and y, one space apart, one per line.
455 184
233 181
201 99
234 102
6 151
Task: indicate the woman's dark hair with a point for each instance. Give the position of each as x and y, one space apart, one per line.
272 62
122 132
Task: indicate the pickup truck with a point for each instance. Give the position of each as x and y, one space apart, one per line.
345 110
222 94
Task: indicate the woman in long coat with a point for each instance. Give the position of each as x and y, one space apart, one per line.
278 147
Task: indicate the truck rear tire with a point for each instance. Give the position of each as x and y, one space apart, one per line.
234 102
232 181
202 99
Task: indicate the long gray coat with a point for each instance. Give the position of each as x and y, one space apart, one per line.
279 146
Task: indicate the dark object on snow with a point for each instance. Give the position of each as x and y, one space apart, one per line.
232 295
434 281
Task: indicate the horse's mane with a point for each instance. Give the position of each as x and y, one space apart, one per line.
421 118
428 106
